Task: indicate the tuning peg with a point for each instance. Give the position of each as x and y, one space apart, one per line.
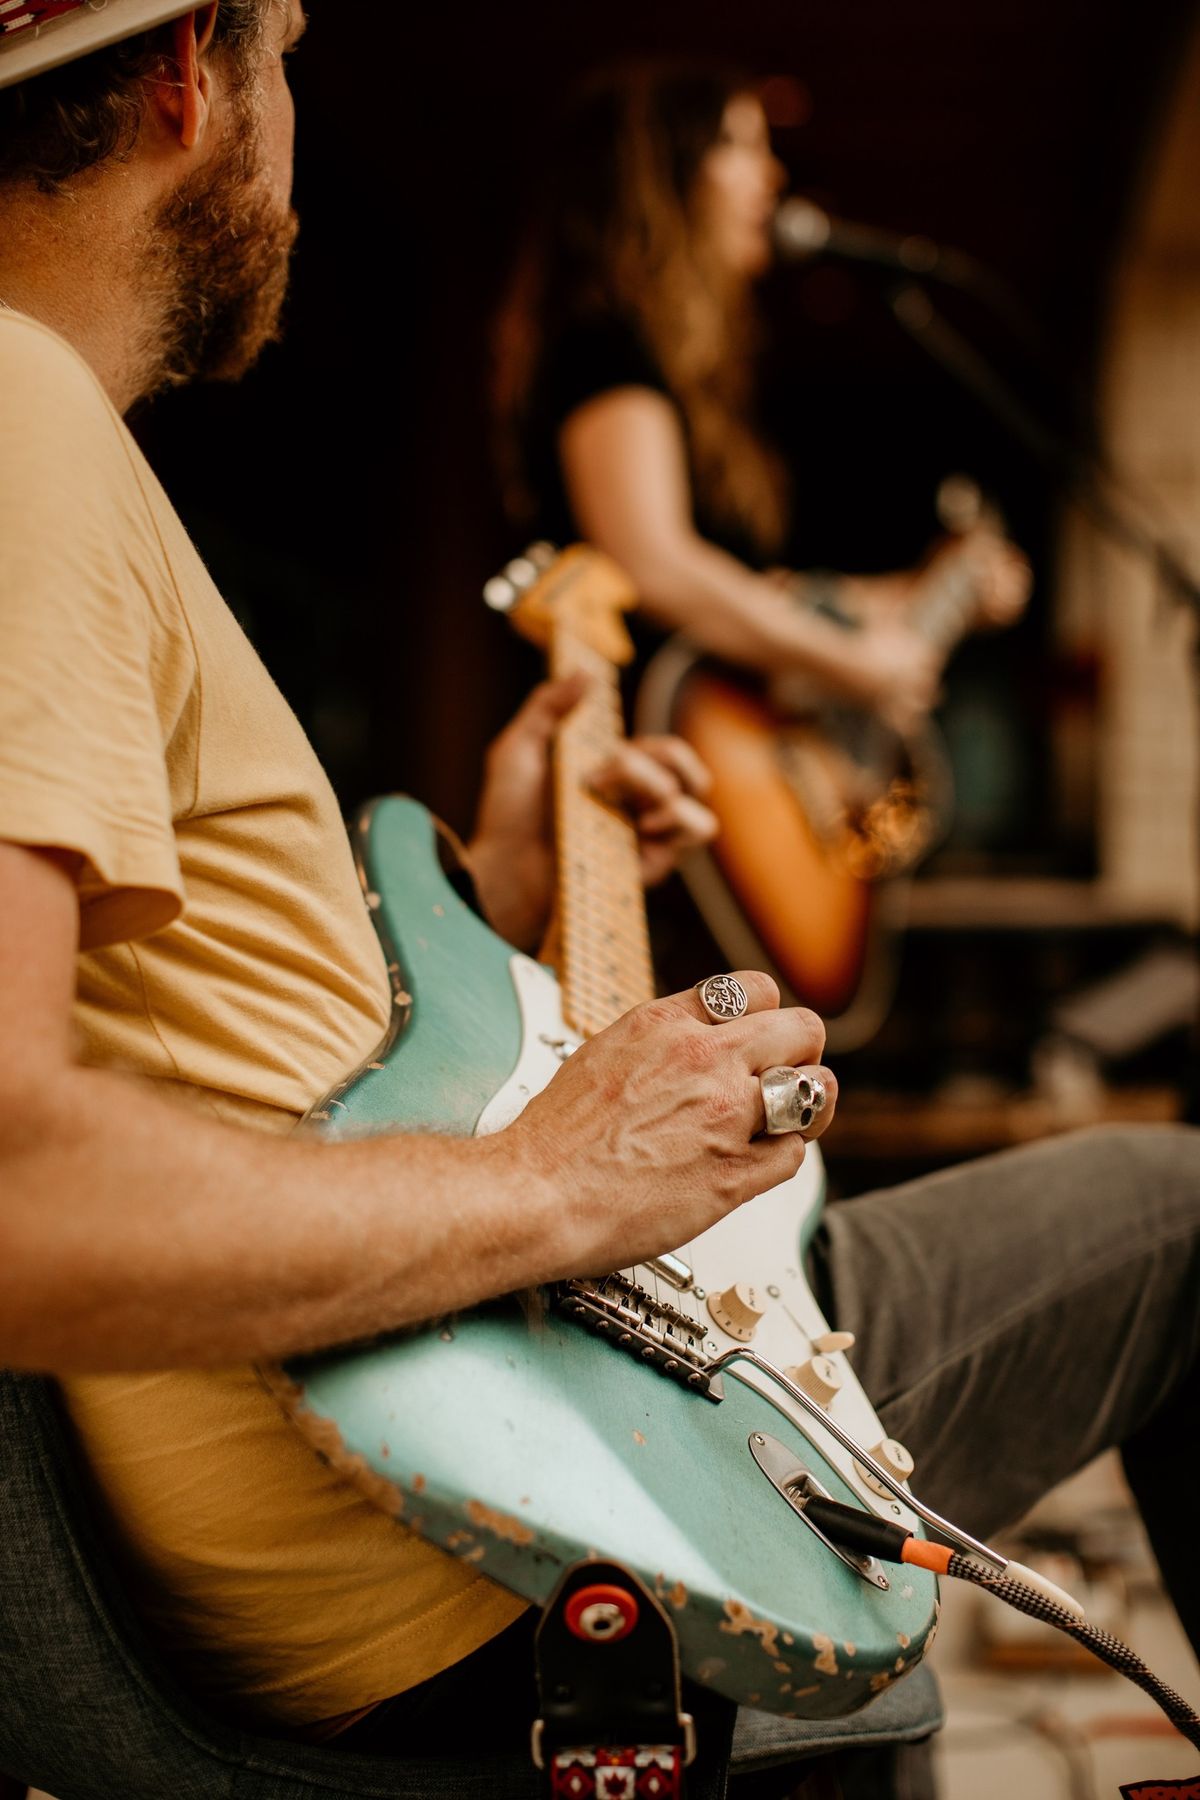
503 591
500 594
521 572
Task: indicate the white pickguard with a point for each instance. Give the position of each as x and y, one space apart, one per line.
759 1245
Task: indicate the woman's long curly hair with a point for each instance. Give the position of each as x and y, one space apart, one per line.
619 233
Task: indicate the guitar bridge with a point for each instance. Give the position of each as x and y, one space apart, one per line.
651 1330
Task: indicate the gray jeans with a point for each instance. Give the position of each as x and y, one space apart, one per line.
1014 1317
1017 1315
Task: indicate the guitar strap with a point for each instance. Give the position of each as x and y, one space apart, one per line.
611 1726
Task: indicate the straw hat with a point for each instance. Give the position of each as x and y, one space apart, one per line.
40 34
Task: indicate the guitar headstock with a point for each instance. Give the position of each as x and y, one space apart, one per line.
579 587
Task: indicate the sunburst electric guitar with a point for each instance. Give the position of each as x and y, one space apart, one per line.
673 1415
824 809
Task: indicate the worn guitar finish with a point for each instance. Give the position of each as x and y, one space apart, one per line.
522 1438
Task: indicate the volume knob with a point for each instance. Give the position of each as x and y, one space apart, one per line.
736 1311
820 1379
895 1458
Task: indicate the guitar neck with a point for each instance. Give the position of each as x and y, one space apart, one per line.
602 945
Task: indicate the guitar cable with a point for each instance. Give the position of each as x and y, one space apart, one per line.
868 1535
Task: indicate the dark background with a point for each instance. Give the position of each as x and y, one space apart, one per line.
343 493
344 496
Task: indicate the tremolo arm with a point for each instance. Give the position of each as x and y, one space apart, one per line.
654 1331
952 1533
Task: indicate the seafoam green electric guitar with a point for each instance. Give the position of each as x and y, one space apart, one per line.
671 1416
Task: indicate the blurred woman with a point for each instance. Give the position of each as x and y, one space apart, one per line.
624 393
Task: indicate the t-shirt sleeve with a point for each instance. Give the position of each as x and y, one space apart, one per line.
592 357
82 765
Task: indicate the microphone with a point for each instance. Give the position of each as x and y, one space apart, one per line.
802 229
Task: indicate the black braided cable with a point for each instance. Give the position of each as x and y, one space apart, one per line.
1109 1649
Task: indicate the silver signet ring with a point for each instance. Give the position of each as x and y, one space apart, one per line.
723 998
792 1099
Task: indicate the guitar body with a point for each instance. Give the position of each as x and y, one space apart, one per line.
824 810
821 819
521 1438
813 916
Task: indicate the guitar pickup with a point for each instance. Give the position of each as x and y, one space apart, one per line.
672 1269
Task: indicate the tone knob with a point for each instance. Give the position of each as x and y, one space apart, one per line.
832 1341
737 1311
818 1378
895 1459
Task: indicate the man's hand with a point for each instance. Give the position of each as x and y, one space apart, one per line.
662 784
659 781
654 1129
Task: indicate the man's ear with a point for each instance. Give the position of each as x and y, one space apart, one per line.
187 98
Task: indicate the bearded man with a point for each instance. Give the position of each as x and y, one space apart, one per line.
186 965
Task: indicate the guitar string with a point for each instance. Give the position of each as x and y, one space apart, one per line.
600 726
600 714
602 830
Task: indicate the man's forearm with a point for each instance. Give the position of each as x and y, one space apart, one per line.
135 1234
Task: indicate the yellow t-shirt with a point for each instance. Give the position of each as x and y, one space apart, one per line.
226 955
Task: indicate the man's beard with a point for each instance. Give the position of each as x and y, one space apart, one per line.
216 259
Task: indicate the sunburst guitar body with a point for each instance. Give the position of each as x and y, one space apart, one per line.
824 810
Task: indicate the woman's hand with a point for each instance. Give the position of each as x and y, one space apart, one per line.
889 669
886 665
999 576
1002 577
659 781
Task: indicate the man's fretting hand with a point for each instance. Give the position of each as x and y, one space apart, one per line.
659 781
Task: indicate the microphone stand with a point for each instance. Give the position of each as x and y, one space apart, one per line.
1085 473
